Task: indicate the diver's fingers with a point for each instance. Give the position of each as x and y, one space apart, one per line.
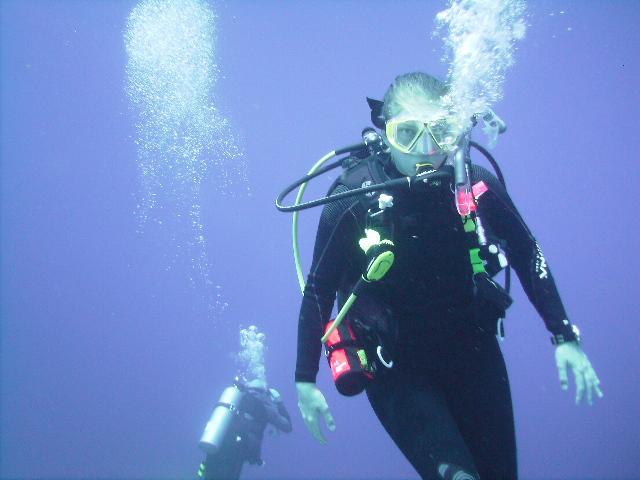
589 384
590 379
594 381
326 413
562 375
314 427
597 383
580 384
598 391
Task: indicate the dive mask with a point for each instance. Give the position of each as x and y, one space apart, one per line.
407 134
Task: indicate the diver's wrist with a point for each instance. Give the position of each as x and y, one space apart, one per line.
571 334
305 377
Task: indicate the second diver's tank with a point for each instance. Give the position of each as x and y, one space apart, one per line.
222 417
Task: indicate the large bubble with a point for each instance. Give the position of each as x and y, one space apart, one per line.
182 137
250 358
480 41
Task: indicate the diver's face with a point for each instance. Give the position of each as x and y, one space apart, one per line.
421 149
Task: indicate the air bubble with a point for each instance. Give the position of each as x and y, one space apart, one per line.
250 358
479 46
183 139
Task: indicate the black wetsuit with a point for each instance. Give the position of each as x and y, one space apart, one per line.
446 402
257 409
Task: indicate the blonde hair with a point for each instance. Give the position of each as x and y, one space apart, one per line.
412 90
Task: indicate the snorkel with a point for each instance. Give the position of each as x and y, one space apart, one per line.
461 159
465 202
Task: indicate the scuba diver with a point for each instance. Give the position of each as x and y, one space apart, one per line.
419 328
234 433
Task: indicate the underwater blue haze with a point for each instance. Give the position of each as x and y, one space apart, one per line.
121 311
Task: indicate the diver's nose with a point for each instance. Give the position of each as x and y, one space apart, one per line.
428 145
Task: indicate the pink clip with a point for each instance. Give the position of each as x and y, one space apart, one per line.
479 188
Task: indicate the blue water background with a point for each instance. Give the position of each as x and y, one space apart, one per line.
110 361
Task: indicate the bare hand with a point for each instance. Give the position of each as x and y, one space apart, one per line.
571 355
312 404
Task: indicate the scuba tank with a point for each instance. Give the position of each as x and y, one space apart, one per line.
223 416
349 365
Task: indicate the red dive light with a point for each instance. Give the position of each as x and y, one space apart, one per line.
350 367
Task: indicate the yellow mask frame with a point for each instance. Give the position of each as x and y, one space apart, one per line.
404 132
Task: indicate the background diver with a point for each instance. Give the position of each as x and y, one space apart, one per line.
445 401
236 428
